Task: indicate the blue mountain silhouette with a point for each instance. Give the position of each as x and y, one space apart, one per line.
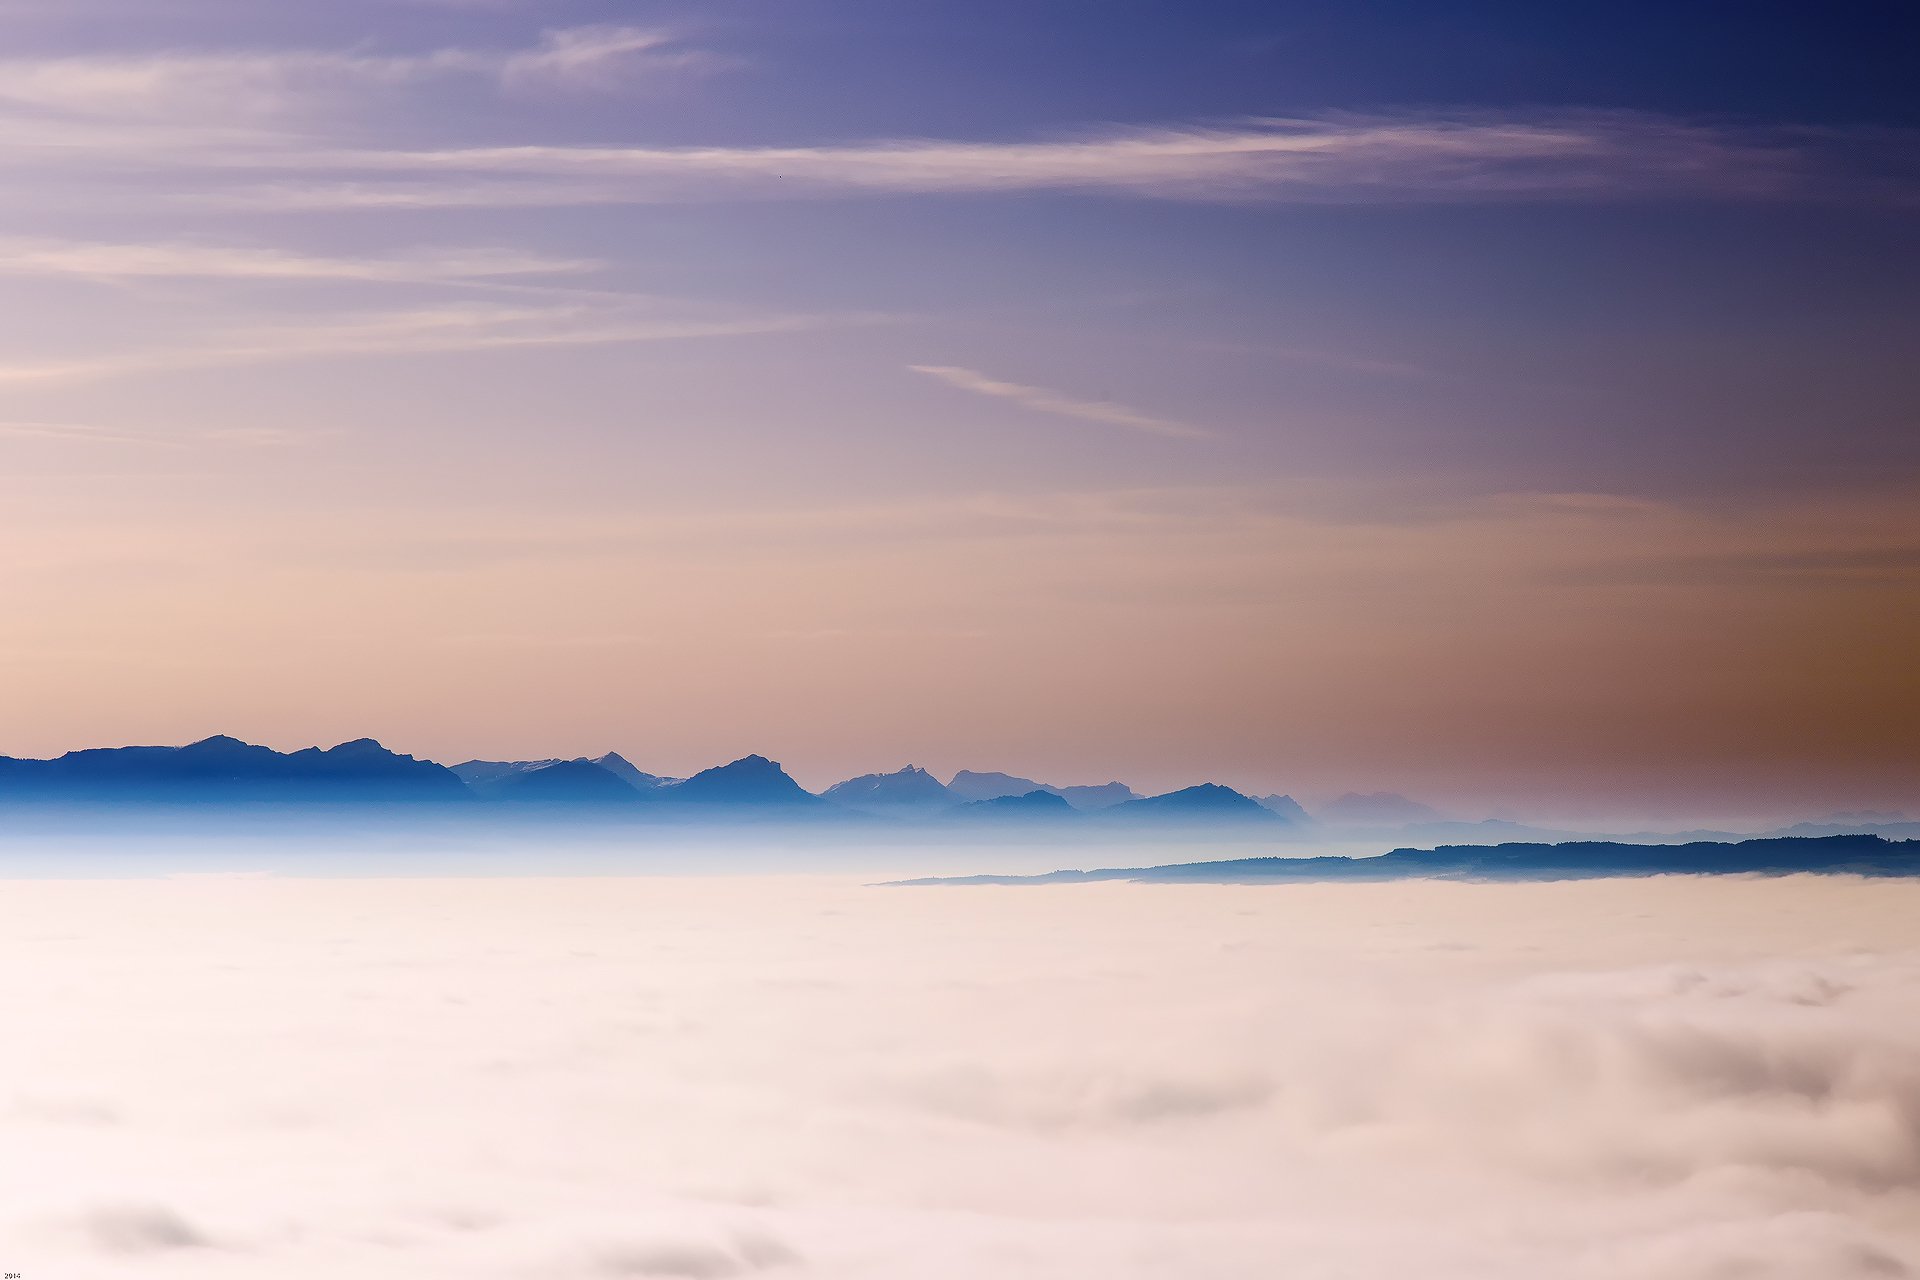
565 781
1286 807
1034 804
621 767
1864 855
752 780
968 785
1208 801
912 788
223 767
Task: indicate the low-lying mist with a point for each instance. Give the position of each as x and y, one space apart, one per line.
561 1078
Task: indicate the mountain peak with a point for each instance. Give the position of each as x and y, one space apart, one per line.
1208 799
1285 806
1033 804
622 768
563 781
749 780
1104 796
1378 806
970 785
909 788
220 742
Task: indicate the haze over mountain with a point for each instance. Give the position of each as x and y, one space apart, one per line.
579 778
969 785
1286 807
910 789
1377 807
1205 802
563 782
1089 799
618 765
482 774
1040 805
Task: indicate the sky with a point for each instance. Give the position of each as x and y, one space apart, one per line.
1509 405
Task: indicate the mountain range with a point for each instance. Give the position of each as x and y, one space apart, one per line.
223 770
226 770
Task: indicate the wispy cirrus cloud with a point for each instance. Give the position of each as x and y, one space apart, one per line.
235 86
421 331
1337 159
80 433
602 57
109 261
1041 400
306 129
88 434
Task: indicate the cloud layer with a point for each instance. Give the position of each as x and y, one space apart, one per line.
1336 158
1585 156
784 1077
263 84
294 128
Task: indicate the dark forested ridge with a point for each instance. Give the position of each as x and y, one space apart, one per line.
1867 855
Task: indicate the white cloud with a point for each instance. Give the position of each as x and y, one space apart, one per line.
452 328
1043 401
119 262
218 129
743 1076
83 434
1342 159
78 433
597 58
257 85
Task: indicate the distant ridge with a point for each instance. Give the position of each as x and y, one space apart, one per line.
968 785
1864 855
1285 807
1207 801
1378 807
1034 804
1091 799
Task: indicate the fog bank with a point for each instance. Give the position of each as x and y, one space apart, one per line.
1670 1079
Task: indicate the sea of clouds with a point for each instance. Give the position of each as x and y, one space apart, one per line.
589 1079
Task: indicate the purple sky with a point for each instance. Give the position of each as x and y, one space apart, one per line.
1512 409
